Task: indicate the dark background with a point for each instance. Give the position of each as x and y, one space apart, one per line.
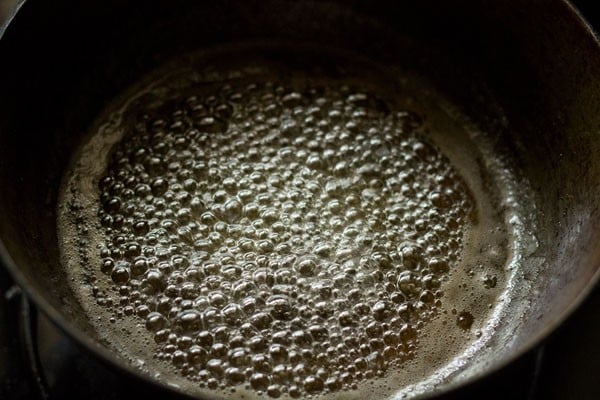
589 9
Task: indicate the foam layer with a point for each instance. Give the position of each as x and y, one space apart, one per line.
276 231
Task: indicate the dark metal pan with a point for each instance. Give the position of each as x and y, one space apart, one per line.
62 61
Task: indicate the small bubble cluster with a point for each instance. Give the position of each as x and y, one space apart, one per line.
291 239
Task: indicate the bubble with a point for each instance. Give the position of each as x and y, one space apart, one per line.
120 273
215 367
281 307
211 125
259 381
313 384
233 314
159 186
234 376
190 320
274 391
438 265
156 321
306 267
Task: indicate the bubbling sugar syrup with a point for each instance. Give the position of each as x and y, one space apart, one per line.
240 226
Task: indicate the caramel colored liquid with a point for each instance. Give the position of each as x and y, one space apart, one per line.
252 228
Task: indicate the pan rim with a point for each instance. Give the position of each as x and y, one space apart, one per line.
108 356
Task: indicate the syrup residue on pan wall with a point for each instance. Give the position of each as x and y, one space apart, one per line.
237 225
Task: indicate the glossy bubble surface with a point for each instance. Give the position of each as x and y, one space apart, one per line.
291 235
